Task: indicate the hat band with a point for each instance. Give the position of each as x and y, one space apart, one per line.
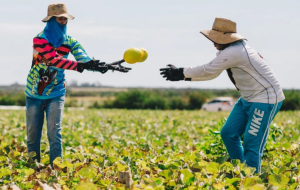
229 32
223 32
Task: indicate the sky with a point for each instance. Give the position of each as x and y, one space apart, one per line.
167 29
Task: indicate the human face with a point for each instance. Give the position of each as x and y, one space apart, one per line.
62 20
220 46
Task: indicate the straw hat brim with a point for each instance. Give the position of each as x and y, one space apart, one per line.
221 37
61 15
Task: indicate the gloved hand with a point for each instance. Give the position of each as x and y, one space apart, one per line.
116 66
94 65
172 73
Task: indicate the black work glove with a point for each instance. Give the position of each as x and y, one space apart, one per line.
94 65
116 66
172 73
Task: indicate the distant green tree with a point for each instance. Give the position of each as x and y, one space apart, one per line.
177 103
292 100
133 99
155 102
6 101
196 100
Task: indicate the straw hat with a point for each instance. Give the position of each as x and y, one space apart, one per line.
57 10
223 32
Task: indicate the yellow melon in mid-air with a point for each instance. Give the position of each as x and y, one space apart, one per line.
133 55
145 55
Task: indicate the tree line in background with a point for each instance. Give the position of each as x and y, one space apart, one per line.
189 100
141 98
155 99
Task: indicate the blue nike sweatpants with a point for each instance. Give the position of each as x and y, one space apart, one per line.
253 120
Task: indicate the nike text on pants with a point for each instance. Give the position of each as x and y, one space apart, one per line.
253 120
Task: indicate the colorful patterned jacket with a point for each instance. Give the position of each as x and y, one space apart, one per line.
44 54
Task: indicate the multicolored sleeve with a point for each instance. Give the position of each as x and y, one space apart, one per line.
78 51
46 51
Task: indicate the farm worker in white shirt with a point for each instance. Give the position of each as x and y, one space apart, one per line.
261 94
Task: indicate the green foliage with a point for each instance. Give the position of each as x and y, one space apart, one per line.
278 180
141 98
154 99
160 149
154 102
177 103
6 101
196 100
13 99
97 105
181 99
134 99
292 100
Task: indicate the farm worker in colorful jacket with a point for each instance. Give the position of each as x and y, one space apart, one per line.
45 89
261 94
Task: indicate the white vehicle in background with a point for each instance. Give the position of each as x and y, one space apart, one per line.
219 104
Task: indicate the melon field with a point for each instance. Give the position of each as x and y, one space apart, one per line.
142 149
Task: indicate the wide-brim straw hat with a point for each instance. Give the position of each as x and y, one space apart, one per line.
57 10
223 32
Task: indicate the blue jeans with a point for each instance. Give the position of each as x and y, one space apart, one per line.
35 109
252 120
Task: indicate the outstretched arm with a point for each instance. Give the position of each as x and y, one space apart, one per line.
226 59
85 62
46 51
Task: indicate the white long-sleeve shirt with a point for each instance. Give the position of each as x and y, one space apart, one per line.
252 75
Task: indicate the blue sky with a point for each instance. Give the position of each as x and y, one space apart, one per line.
168 29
